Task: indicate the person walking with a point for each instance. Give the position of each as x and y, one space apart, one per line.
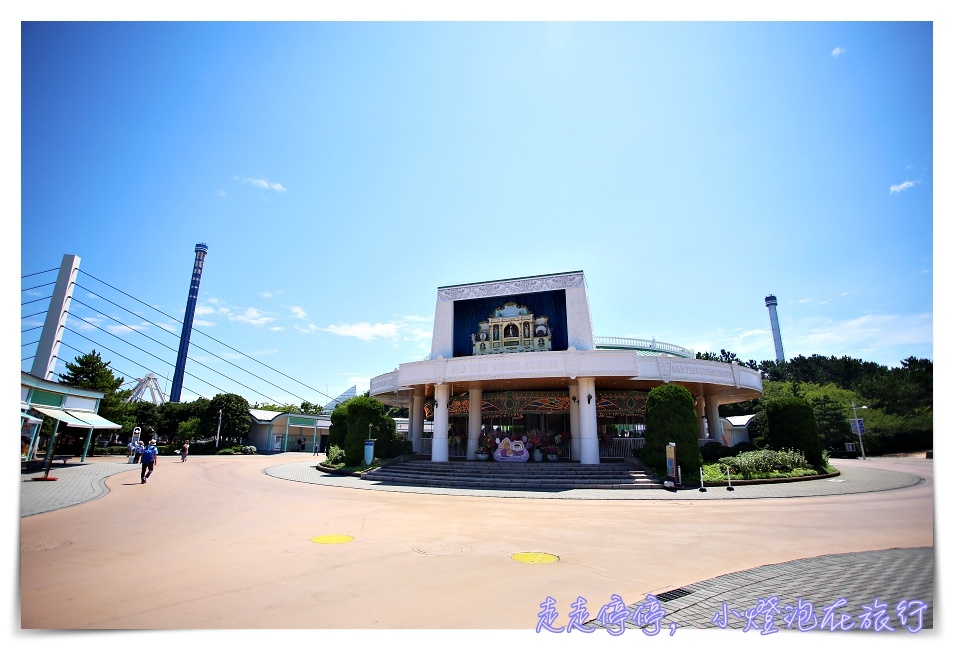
131 452
185 451
150 458
139 448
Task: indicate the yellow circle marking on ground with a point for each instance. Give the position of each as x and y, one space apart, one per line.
534 558
332 539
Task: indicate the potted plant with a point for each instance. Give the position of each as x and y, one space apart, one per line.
485 446
552 452
534 441
455 441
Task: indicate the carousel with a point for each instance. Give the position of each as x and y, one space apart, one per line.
515 374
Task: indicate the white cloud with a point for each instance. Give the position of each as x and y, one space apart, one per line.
906 185
252 316
406 328
365 331
201 323
122 330
804 300
276 328
838 51
266 294
298 312
202 310
309 329
263 183
221 194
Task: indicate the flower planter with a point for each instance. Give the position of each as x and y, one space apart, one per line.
537 455
483 456
553 457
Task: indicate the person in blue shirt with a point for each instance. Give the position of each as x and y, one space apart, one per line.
150 456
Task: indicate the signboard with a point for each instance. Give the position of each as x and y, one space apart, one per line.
857 427
671 461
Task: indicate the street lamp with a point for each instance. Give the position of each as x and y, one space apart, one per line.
859 428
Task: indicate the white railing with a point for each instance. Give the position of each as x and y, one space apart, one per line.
621 447
616 448
651 345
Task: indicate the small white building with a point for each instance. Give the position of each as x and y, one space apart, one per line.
274 431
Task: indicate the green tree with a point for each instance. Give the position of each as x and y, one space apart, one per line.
236 421
831 416
191 429
91 372
338 429
172 414
363 417
671 417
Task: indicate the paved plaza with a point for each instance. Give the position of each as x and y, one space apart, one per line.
234 542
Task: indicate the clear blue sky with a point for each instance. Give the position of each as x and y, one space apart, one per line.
341 172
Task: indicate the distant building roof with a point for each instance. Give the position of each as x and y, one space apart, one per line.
348 394
740 420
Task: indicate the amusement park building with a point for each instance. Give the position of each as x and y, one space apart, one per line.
520 354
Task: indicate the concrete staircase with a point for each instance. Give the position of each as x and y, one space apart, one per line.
490 475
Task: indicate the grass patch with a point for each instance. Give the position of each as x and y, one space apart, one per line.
714 472
352 469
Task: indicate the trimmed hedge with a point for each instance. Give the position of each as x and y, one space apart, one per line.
790 424
671 417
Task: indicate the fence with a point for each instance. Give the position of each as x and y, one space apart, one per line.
615 448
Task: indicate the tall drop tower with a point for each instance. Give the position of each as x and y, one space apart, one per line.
200 252
771 302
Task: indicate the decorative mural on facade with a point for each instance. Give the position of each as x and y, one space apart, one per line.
512 328
629 402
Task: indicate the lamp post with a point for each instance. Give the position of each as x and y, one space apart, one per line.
858 428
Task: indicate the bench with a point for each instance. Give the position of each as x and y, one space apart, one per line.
63 458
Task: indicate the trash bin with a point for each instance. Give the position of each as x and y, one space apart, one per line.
368 451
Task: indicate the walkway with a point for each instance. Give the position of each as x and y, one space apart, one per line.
889 564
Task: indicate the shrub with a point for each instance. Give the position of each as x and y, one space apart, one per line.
713 451
399 447
790 424
335 455
671 417
744 446
225 452
765 461
249 449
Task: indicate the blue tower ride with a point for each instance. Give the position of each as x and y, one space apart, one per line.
200 252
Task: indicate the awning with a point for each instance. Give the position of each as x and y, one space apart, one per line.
74 418
94 420
30 419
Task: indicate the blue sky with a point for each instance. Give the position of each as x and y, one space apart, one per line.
341 172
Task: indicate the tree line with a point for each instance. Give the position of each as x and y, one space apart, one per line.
896 404
225 415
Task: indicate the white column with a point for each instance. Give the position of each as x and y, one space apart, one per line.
712 418
439 451
417 410
589 444
476 399
410 421
700 415
574 422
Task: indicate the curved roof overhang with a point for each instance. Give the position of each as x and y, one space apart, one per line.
611 370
